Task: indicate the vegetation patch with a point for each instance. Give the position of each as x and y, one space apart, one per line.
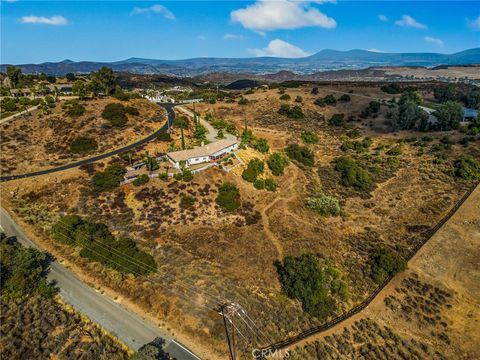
109 179
353 174
228 196
324 205
301 154
83 145
277 163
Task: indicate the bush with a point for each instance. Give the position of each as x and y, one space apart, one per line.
372 109
259 184
109 179
330 100
261 144
254 168
352 174
344 98
314 91
317 284
228 196
83 145
309 137
384 262
187 201
116 114
130 110
164 136
392 88
285 97
467 168
324 205
294 112
163 176
298 99
187 175
270 185
243 101
277 163
320 102
141 180
337 120
73 108
302 154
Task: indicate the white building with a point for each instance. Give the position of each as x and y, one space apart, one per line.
203 154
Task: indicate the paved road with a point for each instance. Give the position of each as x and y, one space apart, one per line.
18 114
127 326
170 118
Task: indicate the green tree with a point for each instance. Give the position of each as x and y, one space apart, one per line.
104 78
182 123
301 154
79 89
83 145
449 115
261 145
151 162
141 180
277 163
467 168
353 174
254 168
309 137
70 77
109 179
14 74
116 114
384 262
324 205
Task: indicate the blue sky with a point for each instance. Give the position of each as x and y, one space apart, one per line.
38 31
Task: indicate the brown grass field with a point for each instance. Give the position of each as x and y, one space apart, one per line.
206 256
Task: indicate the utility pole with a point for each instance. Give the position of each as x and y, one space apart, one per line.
228 311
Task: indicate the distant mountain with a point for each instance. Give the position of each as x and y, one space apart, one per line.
321 61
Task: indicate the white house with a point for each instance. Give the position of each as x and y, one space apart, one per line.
202 154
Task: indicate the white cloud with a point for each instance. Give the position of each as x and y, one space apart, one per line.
375 50
155 9
267 15
434 41
382 17
474 24
408 21
53 20
233 37
279 48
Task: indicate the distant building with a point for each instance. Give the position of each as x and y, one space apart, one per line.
469 114
202 154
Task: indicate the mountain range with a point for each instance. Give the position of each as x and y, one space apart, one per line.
321 61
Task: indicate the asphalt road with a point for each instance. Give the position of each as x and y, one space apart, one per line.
121 322
170 118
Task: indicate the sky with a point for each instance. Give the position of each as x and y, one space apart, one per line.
41 31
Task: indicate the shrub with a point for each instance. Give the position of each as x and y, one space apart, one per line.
294 112
285 97
228 196
74 108
392 88
396 150
187 201
83 145
337 120
314 91
298 99
141 180
270 185
320 102
109 179
344 98
277 163
324 205
317 284
164 136
467 168
163 176
330 100
261 144
116 114
309 137
63 230
259 184
384 262
353 174
254 168
243 101
302 154
187 175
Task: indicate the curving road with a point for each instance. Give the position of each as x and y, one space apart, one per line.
121 322
170 118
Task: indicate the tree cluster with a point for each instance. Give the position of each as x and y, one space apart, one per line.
292 112
109 179
98 244
301 154
353 174
228 197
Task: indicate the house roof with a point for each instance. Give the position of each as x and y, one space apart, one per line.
207 150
